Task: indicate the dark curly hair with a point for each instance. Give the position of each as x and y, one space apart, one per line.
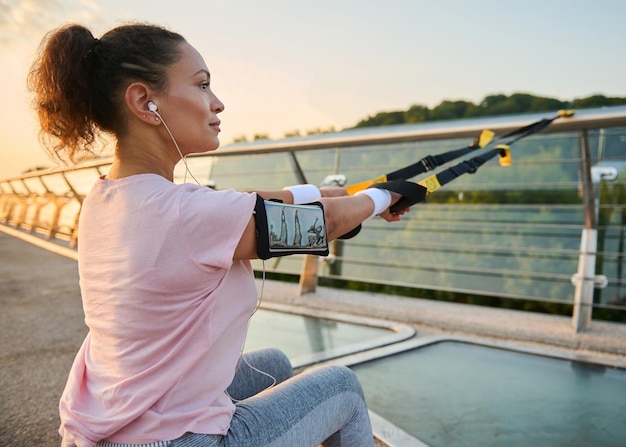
79 81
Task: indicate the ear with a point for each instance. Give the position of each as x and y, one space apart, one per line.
137 96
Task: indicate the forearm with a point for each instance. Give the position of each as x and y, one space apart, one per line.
343 214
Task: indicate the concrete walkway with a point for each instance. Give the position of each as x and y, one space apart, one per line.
43 327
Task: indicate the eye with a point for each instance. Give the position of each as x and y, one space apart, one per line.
204 86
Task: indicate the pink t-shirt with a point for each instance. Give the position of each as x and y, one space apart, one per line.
167 310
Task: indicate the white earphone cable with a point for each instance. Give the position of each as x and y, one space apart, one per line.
187 170
241 356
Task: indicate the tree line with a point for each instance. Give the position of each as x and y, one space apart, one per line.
492 105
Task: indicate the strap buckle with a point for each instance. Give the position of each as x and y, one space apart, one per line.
428 162
473 166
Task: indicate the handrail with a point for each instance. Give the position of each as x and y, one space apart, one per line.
431 131
597 118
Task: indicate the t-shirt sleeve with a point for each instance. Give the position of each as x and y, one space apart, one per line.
212 223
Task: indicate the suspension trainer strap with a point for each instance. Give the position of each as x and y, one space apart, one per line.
431 162
486 138
396 180
503 150
426 164
470 166
535 127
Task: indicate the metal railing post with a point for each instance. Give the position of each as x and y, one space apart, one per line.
308 276
585 276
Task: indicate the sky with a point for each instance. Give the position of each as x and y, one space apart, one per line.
281 66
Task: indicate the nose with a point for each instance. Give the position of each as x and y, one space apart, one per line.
217 106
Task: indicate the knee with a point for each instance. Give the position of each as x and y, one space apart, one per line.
272 361
346 375
343 379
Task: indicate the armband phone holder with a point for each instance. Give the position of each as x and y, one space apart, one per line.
285 229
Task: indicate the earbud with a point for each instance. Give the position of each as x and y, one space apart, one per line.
153 108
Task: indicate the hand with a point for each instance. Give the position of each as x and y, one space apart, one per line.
394 217
333 191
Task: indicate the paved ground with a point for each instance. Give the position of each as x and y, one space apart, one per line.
42 328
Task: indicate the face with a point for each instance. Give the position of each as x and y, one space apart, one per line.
189 108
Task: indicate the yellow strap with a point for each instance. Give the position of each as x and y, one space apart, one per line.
505 160
353 189
566 113
485 137
431 183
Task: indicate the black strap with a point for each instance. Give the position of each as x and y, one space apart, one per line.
522 132
430 162
468 166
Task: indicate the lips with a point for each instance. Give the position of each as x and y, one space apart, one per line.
216 125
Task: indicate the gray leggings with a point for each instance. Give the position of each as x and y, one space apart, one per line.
322 405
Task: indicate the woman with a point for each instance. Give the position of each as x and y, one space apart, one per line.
165 277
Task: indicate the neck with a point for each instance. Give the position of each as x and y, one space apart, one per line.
145 159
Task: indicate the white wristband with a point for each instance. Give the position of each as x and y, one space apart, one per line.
380 197
304 193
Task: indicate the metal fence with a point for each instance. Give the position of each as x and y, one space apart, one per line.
548 230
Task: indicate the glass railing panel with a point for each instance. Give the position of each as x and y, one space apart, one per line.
509 231
512 231
247 172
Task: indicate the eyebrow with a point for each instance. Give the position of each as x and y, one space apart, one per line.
203 71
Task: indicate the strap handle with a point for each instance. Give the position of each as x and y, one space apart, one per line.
411 193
